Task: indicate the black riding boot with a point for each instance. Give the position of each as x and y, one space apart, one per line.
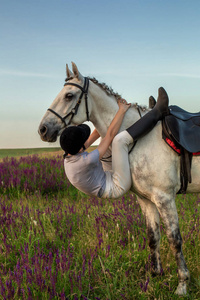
146 123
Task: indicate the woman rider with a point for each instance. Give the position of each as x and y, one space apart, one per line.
84 170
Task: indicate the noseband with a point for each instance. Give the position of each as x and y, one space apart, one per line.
73 112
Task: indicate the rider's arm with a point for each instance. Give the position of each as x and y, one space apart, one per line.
113 128
92 138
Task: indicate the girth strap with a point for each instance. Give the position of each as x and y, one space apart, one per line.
185 170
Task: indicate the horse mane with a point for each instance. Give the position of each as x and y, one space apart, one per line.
109 91
105 87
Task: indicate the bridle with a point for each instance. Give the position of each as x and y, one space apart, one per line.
73 112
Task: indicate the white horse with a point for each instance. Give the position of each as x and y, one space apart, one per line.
155 167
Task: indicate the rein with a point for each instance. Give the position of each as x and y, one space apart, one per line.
73 112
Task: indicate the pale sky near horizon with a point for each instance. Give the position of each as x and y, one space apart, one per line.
133 46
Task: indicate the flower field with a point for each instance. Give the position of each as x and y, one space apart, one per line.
57 243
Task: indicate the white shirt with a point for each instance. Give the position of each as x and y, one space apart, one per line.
84 171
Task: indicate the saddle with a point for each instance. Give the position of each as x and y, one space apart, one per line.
183 129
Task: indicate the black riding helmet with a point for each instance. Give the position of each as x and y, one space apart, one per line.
73 138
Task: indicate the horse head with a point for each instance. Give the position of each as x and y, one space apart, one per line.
63 111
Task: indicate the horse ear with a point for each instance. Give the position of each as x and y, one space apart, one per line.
68 72
152 102
76 72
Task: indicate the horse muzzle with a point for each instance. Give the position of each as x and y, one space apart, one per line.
46 134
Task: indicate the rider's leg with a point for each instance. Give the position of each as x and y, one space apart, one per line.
148 121
118 181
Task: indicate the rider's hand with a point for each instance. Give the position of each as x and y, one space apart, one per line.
123 105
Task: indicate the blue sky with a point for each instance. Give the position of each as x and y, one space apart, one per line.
133 46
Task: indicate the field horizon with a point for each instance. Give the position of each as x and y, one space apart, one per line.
13 152
17 152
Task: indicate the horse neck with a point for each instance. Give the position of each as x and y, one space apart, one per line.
104 108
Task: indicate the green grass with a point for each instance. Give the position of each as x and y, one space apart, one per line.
23 152
67 245
97 249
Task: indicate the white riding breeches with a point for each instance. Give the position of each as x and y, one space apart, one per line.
118 181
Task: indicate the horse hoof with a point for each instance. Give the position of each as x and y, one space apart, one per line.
181 289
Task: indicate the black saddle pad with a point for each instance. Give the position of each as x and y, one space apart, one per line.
181 113
184 128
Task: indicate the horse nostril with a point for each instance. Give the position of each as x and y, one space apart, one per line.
43 130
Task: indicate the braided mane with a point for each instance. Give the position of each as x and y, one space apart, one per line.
105 87
109 91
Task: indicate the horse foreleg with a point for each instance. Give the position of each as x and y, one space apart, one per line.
153 233
167 208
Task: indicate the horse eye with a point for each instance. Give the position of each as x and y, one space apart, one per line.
69 96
